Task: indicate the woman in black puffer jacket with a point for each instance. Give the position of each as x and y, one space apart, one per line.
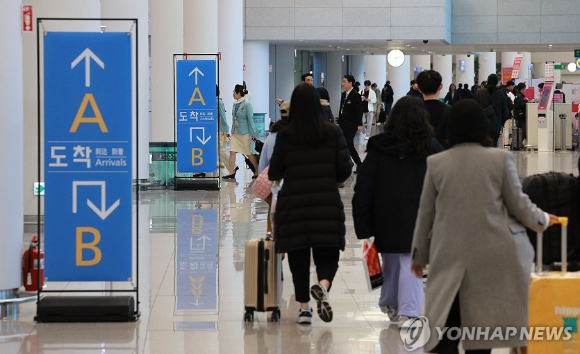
311 156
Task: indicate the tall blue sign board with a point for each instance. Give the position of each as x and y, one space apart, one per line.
196 104
88 156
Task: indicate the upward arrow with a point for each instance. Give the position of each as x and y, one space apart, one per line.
87 55
196 71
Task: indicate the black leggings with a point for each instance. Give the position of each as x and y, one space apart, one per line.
326 261
448 346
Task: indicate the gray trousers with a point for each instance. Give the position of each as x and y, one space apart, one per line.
401 288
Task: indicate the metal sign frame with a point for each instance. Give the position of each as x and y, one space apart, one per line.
214 181
133 32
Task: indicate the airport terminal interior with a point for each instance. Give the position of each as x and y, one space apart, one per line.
191 254
174 319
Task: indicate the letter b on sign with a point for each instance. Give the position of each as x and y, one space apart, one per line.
80 246
196 158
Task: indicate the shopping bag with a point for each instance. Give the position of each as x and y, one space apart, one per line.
372 265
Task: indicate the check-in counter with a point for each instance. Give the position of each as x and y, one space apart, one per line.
555 130
532 125
563 109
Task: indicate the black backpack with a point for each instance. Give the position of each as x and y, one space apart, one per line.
556 193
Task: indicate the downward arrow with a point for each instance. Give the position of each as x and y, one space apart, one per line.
103 212
202 140
87 55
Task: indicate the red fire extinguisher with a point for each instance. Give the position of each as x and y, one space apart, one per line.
32 266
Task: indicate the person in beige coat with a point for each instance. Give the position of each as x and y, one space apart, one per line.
470 230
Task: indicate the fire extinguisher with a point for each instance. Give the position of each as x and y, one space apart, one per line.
32 266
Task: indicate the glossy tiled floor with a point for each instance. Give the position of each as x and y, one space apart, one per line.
192 264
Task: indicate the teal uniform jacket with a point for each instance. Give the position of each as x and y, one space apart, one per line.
223 124
243 119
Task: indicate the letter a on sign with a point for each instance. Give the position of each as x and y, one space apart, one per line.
80 118
193 98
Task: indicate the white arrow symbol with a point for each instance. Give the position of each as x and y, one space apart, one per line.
103 213
203 238
201 140
196 71
87 55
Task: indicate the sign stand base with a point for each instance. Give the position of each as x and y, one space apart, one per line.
209 184
86 309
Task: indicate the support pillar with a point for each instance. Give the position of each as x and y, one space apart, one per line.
320 72
336 71
256 59
443 64
231 46
419 63
357 68
284 74
166 39
376 69
464 73
400 79
200 26
12 140
140 10
487 65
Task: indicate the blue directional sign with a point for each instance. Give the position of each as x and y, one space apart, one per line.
196 103
196 260
87 156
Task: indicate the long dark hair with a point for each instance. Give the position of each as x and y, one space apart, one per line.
492 81
409 123
468 124
307 125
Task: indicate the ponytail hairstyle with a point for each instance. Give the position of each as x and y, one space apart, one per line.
241 89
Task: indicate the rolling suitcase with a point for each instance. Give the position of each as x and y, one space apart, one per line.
262 279
517 139
555 304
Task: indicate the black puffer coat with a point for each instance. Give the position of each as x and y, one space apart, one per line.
387 194
309 211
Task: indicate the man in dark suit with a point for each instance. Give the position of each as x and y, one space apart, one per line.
350 116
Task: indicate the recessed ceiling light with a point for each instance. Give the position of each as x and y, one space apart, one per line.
412 47
407 45
549 45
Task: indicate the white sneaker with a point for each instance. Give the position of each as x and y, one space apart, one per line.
392 312
406 322
305 316
320 294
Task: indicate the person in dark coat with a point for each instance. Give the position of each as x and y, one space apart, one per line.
414 90
387 96
311 157
350 115
493 101
520 103
430 84
325 103
386 201
452 95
